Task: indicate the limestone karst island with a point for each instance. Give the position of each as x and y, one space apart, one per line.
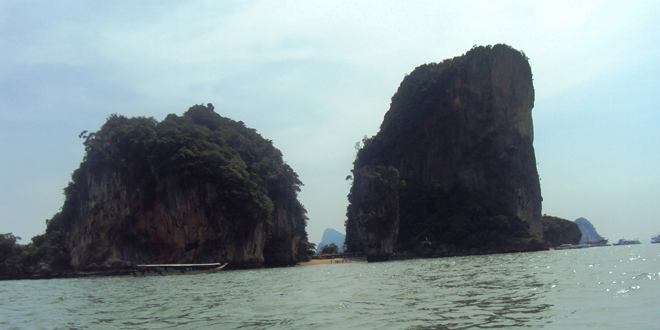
452 171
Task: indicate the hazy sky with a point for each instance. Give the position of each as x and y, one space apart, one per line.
317 76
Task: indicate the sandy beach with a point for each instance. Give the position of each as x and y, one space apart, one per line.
315 262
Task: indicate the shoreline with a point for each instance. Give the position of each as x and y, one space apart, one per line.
316 262
128 271
312 262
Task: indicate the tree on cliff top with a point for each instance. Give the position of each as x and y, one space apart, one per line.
200 145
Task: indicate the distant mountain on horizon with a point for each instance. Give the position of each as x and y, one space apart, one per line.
588 230
332 236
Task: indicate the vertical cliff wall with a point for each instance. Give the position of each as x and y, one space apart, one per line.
460 134
180 225
374 209
195 188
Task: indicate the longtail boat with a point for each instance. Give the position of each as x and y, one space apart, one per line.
177 269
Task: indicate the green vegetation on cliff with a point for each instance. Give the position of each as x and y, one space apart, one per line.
558 231
198 146
44 254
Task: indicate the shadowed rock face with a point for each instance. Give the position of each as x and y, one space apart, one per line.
375 210
462 127
558 231
190 189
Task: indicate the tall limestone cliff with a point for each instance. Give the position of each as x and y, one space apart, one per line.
195 188
460 135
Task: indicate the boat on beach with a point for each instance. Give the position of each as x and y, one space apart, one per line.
177 269
655 239
624 241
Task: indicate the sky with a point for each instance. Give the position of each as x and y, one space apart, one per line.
317 76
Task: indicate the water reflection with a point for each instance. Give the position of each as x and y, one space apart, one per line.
496 291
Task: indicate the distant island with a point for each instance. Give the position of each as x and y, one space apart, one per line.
331 236
193 188
589 233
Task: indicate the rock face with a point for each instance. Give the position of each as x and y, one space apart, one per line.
182 225
196 188
460 135
375 210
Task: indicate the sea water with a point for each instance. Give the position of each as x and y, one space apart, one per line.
601 287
